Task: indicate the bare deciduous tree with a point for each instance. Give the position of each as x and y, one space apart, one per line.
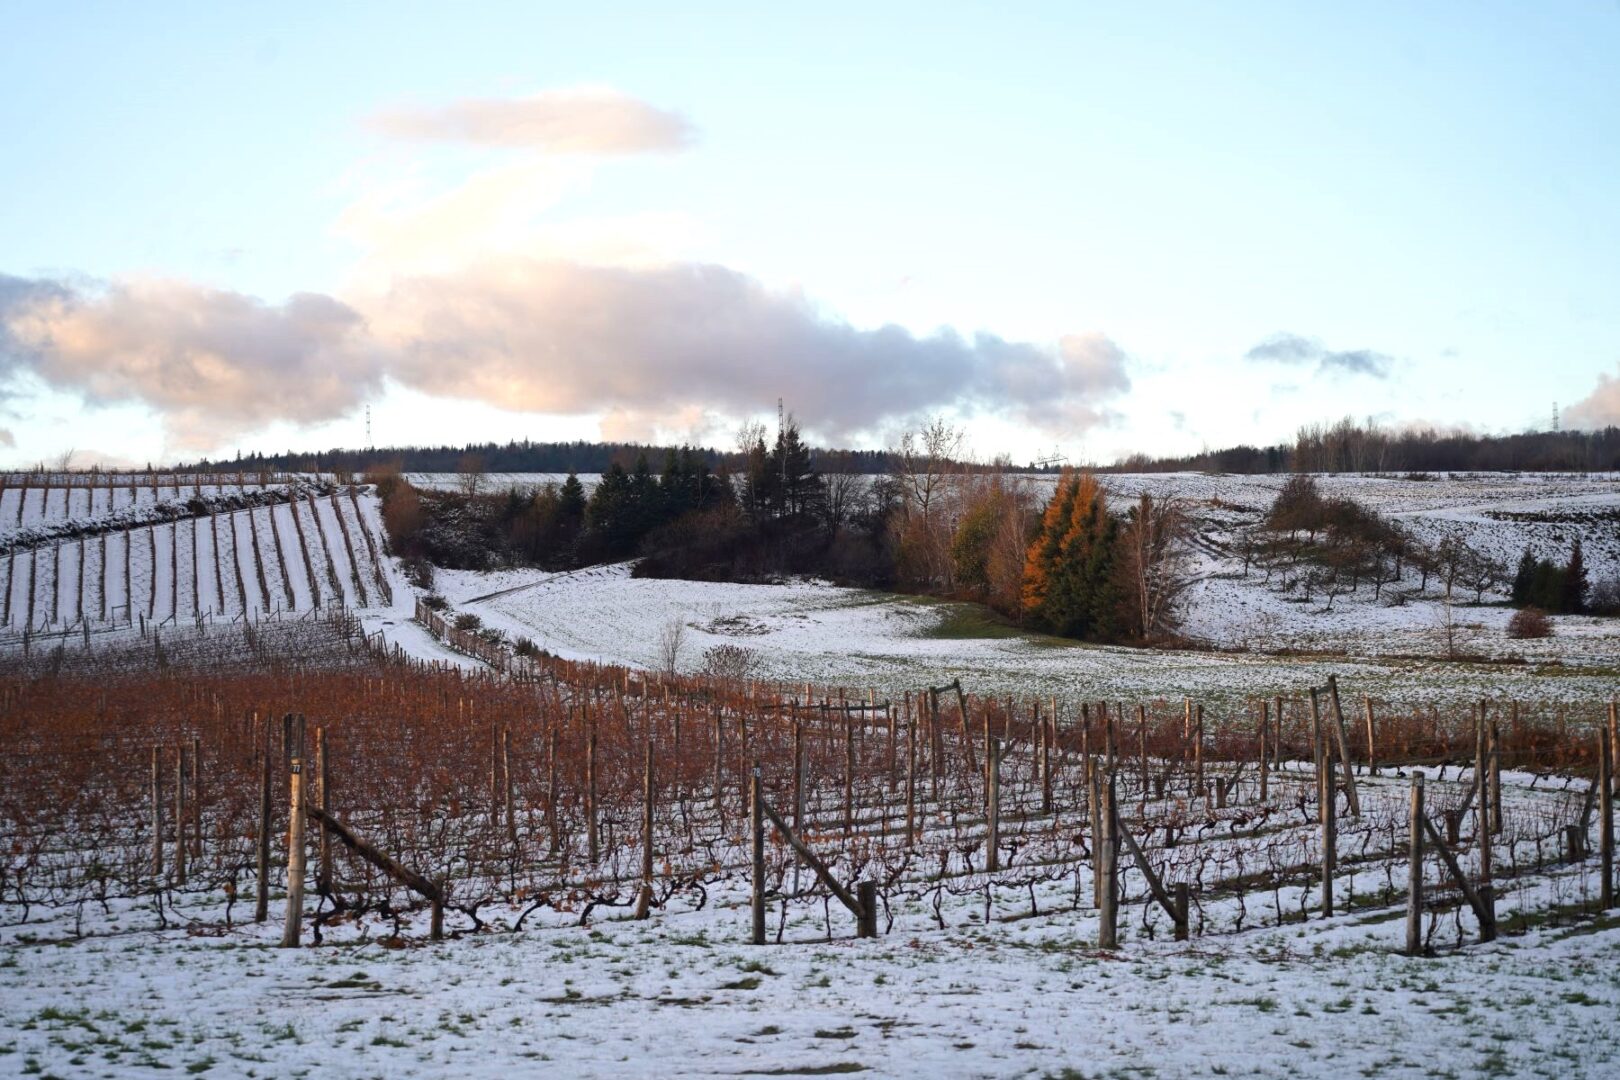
671 644
470 478
1155 535
923 459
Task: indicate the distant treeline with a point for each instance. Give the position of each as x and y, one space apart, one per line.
1350 447
512 457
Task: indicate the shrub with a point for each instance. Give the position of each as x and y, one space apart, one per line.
419 572
435 602
729 662
468 621
1530 622
492 635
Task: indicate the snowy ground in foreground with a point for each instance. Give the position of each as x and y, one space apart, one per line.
812 631
686 996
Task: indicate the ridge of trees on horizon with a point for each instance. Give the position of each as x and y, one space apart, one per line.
1346 446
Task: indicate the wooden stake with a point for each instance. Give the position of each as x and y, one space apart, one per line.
1108 860
180 815
1414 870
756 814
1605 808
292 929
157 812
261 907
644 900
993 824
323 799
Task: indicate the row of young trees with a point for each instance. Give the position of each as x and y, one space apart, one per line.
1333 546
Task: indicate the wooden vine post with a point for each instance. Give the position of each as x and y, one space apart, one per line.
992 855
1414 870
1107 863
157 812
756 823
1605 809
261 905
592 838
180 814
644 898
323 799
911 779
293 928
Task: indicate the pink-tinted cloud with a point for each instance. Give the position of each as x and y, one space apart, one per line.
588 120
1600 408
680 341
553 336
210 362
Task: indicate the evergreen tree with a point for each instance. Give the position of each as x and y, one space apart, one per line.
796 482
1573 599
1524 577
1069 585
1547 586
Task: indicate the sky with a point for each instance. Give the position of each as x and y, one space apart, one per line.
1071 228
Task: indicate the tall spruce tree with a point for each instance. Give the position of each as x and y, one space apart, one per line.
1575 585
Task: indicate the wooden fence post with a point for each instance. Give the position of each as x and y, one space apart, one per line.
1182 904
292 930
756 814
1414 870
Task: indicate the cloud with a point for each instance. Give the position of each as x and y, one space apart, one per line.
212 363
675 342
552 336
1293 349
1600 408
7 439
596 121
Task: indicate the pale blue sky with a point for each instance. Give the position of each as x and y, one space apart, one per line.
1435 183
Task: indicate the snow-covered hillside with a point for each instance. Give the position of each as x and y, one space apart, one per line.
104 558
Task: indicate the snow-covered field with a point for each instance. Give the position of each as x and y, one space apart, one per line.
943 993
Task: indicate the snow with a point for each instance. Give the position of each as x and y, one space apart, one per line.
1024 992
806 630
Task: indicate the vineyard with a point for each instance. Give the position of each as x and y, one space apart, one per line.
589 789
597 835
94 555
